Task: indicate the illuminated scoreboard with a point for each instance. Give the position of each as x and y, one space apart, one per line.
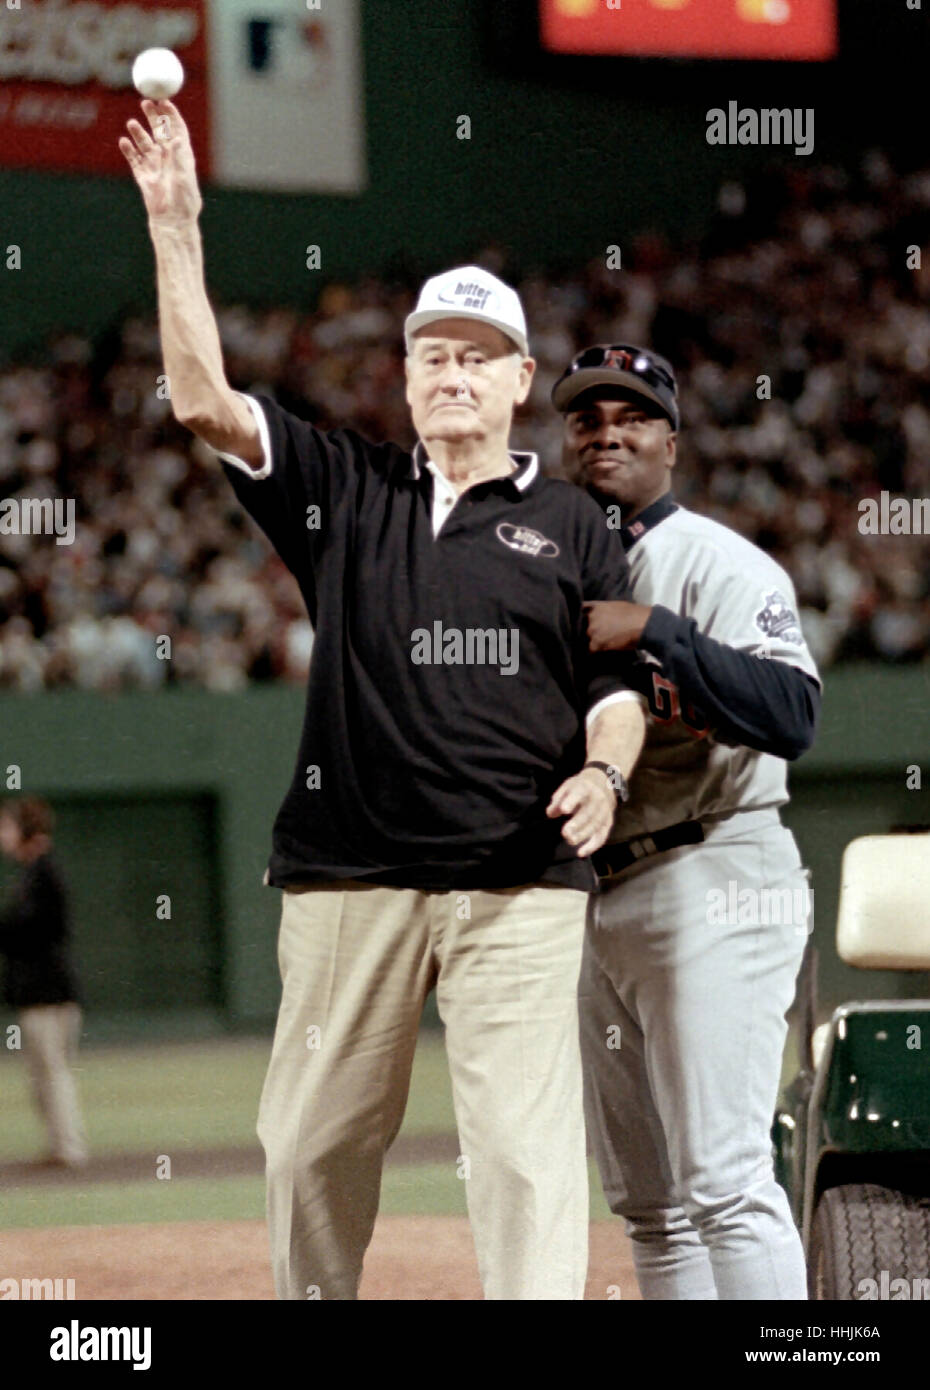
788 29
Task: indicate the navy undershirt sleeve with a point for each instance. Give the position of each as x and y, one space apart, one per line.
762 703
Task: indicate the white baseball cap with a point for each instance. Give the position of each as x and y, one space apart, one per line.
468 292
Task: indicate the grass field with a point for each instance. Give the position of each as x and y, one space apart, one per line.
120 1232
176 1096
175 1099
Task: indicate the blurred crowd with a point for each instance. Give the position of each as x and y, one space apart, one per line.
800 329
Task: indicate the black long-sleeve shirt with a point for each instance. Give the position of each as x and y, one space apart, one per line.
35 939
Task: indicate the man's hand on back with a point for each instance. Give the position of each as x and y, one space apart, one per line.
614 625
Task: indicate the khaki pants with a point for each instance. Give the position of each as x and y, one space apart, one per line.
357 962
50 1039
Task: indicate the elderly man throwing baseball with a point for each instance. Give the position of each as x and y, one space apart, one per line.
440 822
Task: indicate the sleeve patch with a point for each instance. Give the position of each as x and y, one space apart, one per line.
776 618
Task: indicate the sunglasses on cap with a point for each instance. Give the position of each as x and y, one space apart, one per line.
619 365
624 358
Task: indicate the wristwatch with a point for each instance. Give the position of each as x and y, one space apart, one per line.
615 777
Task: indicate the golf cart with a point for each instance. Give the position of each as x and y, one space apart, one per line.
852 1135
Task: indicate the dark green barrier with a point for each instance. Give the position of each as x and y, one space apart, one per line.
174 794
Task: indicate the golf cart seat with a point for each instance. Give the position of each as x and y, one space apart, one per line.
853 1136
883 920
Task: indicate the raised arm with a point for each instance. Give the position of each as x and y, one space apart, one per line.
162 163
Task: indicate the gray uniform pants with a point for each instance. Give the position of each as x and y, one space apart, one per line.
685 982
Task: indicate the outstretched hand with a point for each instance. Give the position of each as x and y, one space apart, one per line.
162 164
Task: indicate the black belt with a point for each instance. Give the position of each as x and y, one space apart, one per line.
612 859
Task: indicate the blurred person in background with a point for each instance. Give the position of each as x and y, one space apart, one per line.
40 979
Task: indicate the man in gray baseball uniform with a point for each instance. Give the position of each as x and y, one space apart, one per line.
694 943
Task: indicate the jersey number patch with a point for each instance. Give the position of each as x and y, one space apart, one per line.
665 705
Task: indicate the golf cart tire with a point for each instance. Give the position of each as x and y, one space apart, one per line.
860 1232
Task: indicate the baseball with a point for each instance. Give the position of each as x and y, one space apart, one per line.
157 73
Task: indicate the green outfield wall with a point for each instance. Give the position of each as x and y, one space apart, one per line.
172 796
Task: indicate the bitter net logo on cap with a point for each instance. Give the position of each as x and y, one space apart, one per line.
469 295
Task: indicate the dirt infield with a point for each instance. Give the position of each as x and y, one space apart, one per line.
411 1258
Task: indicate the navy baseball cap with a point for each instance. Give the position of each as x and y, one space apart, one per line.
635 369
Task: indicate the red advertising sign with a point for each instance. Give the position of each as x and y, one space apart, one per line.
787 29
65 78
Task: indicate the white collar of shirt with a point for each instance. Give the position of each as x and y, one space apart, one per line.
445 495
